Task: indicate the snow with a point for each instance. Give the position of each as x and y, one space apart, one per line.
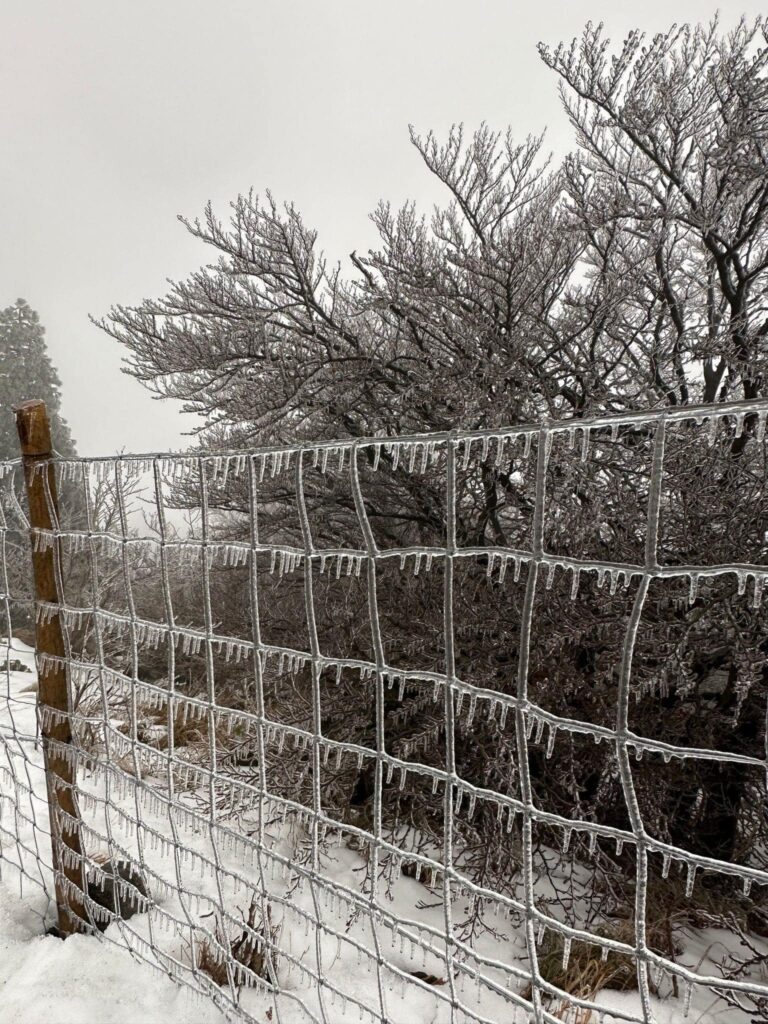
82 980
99 980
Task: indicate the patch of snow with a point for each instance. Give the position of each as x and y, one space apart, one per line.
81 980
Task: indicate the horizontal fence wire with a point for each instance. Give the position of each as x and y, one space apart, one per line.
405 726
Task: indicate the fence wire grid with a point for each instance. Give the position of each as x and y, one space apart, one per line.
286 665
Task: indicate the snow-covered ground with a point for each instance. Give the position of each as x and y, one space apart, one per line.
82 980
98 980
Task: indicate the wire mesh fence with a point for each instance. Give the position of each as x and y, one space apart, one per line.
471 723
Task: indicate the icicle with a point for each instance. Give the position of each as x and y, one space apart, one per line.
551 570
503 568
566 951
690 880
575 582
471 709
711 430
566 842
500 442
584 443
746 887
760 433
693 588
459 800
527 445
467 452
489 567
614 573
551 740
688 992
759 584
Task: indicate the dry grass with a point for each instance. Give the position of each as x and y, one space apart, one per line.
189 730
587 970
251 949
669 914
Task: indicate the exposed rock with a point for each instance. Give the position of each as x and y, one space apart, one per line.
714 684
14 665
115 897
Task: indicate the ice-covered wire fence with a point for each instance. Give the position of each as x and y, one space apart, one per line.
189 781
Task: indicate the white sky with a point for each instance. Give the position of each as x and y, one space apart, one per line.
116 117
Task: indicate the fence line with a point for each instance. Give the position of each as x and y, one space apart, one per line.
215 724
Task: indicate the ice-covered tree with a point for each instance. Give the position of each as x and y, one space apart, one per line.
634 275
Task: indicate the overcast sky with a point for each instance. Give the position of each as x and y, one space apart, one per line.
116 117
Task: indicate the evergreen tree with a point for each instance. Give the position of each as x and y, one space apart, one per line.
26 372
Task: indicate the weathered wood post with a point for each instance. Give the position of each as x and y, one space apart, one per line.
34 431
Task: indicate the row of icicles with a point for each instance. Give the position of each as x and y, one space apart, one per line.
413 455
285 561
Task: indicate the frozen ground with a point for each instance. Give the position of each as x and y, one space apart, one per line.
89 980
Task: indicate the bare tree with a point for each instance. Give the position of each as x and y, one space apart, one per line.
669 190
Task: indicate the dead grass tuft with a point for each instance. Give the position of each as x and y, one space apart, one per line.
251 949
587 971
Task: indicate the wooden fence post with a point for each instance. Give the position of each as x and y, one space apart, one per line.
34 431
